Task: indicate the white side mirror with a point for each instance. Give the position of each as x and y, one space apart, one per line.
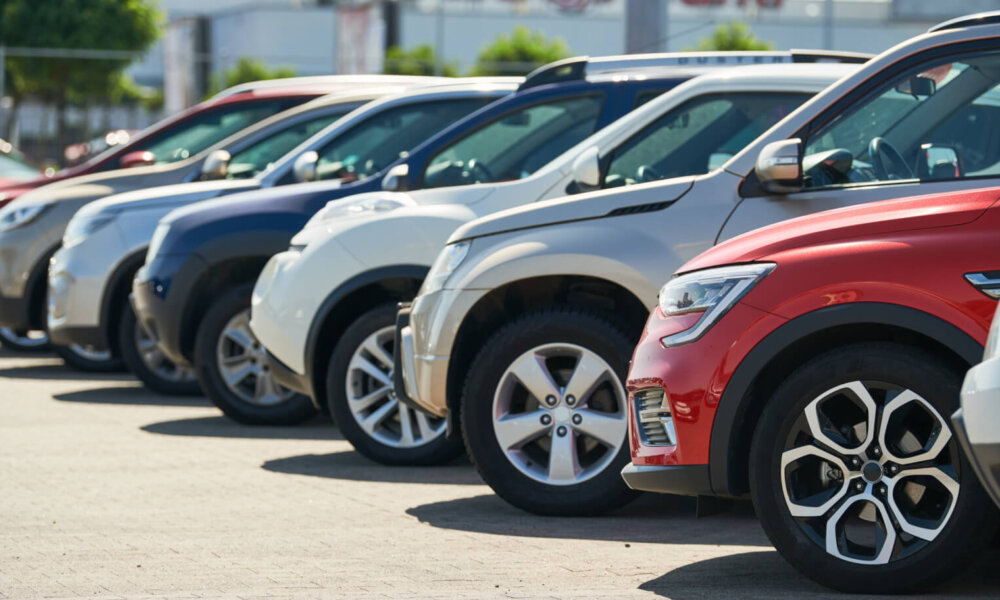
587 168
216 165
396 179
779 167
305 166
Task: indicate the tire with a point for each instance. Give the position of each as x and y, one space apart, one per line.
912 391
89 360
359 389
141 356
268 403
23 341
568 340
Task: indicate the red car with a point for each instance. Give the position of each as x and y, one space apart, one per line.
813 365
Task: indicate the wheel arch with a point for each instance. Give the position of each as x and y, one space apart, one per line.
800 340
115 296
37 290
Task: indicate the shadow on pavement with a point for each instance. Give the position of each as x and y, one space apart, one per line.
653 518
353 466
318 428
136 395
765 575
53 368
6 353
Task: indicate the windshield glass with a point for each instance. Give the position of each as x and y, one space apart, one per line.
257 157
517 144
698 136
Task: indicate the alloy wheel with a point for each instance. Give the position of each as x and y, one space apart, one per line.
242 363
155 361
372 399
23 340
559 414
870 472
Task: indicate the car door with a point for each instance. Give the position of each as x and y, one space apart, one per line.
924 128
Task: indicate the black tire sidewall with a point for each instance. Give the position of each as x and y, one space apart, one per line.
297 409
972 522
127 324
18 347
439 451
600 494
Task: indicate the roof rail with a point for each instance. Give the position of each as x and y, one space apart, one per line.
580 67
331 81
983 18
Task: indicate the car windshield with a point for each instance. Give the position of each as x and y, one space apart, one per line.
254 159
698 136
516 144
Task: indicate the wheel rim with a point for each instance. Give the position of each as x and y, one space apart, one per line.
559 414
372 400
90 353
154 360
242 363
27 339
870 472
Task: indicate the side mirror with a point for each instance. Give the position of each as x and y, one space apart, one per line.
396 180
779 167
587 169
139 158
216 165
939 162
305 166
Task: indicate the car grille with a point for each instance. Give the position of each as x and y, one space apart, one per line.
656 425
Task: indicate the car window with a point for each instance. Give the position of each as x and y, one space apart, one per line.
381 140
927 124
12 168
698 136
645 97
515 145
197 133
257 157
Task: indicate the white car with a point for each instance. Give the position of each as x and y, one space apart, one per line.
325 309
977 422
105 243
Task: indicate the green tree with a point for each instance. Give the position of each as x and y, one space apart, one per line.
122 25
518 53
419 60
732 36
245 71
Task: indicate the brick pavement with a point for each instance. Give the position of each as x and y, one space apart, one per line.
108 491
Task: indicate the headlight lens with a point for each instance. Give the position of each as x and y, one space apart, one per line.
156 242
338 209
444 265
80 229
13 216
711 292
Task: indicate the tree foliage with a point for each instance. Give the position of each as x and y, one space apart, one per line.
245 71
419 60
518 53
733 36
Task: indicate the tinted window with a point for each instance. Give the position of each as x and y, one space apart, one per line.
515 145
257 157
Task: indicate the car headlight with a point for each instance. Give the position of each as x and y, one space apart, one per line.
361 206
14 216
156 242
444 265
80 229
711 292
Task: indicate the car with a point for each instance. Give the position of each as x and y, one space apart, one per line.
977 422
90 276
239 235
333 278
32 227
814 364
530 296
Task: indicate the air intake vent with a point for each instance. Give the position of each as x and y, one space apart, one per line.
987 282
639 208
656 425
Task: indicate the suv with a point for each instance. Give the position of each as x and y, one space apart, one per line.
544 304
90 276
814 364
194 293
331 281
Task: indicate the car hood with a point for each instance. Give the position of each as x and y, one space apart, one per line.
591 205
169 195
850 223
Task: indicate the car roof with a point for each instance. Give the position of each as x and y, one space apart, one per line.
329 82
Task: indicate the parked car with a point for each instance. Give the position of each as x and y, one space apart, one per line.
236 237
104 244
14 167
222 239
544 304
977 422
339 277
32 227
814 363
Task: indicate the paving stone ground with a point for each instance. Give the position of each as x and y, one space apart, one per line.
110 491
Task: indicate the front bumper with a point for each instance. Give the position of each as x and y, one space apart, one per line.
159 296
977 424
14 313
683 480
285 376
77 283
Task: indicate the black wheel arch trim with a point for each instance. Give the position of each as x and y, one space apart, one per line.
36 290
122 275
734 403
